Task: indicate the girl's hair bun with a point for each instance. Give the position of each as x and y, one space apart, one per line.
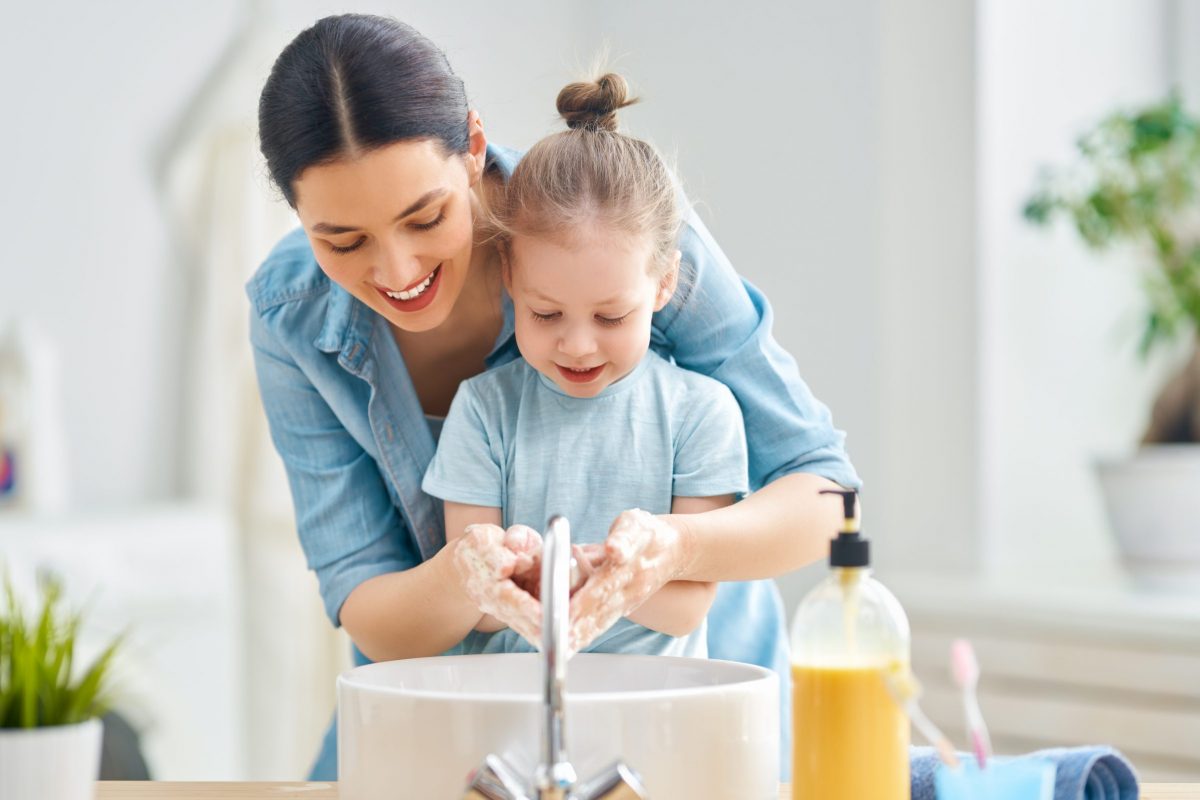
594 104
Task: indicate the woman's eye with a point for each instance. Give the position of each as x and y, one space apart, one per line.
348 248
545 317
611 321
433 223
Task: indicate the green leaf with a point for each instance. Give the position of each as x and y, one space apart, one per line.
37 660
1135 181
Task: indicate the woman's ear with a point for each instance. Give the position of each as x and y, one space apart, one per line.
668 282
476 147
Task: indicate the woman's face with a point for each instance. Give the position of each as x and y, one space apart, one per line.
394 227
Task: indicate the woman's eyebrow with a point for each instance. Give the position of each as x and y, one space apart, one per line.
417 205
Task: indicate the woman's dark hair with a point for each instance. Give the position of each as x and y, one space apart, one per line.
353 83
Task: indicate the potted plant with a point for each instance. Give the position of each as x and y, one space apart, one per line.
50 731
1136 182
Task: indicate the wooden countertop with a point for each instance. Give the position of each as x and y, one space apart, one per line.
144 790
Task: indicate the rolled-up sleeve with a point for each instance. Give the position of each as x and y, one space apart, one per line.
719 324
349 528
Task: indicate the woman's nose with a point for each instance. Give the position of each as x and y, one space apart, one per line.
398 266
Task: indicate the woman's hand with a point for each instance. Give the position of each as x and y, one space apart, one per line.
641 555
495 566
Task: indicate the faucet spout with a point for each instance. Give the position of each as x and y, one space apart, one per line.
555 775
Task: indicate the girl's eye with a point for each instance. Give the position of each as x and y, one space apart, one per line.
428 226
347 249
545 317
611 321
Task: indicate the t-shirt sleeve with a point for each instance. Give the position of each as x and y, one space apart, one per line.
465 468
710 449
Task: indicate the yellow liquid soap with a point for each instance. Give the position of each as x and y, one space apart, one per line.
850 738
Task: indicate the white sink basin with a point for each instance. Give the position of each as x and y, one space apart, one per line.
693 728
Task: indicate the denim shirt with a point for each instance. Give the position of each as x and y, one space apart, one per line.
346 420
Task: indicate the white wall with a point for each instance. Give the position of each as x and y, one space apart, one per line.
88 90
1061 384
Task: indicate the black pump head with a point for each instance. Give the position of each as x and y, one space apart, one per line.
849 549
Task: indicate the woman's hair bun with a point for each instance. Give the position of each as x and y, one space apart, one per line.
594 104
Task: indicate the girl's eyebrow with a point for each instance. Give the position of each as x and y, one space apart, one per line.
545 297
417 205
609 302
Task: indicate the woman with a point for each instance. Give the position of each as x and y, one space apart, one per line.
365 321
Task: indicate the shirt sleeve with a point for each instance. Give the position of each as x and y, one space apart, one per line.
349 528
465 469
710 448
719 325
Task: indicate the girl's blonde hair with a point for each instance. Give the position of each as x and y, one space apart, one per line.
591 173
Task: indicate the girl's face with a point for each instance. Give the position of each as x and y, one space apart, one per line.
583 307
394 227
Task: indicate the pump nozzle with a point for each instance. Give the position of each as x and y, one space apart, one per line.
849 501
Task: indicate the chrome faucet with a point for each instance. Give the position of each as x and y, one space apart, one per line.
555 778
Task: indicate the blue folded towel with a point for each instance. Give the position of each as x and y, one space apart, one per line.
1084 773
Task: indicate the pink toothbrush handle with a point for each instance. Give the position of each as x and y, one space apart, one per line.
979 747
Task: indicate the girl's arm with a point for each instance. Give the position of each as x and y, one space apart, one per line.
680 607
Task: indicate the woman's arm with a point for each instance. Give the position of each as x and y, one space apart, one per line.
422 611
458 517
370 575
719 325
779 528
680 607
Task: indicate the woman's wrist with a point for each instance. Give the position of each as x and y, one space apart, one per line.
452 579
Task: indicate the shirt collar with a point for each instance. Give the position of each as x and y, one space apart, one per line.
347 328
620 385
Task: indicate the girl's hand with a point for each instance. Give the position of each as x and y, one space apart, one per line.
487 559
527 572
641 555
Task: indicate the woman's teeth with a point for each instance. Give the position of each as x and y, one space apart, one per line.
416 291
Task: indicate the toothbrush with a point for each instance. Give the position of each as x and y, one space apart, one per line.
905 689
965 667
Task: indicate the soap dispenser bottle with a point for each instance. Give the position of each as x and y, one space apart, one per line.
850 737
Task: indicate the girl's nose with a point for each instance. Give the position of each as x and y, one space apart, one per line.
577 342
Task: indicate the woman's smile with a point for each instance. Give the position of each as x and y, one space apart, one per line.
416 295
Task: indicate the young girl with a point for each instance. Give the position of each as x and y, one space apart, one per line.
590 421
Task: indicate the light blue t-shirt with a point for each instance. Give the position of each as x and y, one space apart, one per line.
514 440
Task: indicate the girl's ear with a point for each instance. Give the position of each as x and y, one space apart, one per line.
666 286
505 266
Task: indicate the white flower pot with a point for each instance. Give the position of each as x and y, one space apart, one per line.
1153 501
55 763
